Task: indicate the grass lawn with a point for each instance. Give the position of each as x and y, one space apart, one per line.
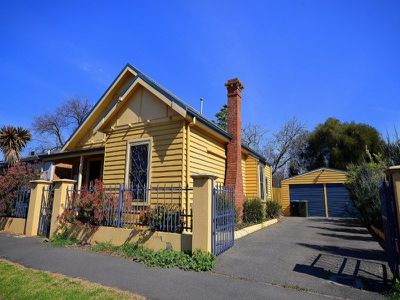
17 282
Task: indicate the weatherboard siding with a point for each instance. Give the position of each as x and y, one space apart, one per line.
207 155
251 177
166 152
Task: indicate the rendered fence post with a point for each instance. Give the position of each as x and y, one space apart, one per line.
202 212
61 187
393 174
35 203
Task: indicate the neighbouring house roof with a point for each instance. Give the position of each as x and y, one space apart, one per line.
173 98
314 171
71 153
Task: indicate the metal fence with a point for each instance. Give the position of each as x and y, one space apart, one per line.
46 211
157 207
223 219
19 204
390 226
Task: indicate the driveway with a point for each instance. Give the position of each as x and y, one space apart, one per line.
335 257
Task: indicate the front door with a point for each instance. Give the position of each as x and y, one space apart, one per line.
95 168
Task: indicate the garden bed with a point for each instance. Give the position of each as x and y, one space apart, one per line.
166 258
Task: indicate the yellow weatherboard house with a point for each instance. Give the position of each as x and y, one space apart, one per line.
138 129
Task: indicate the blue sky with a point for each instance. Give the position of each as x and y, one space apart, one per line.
309 59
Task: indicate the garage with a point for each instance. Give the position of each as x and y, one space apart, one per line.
323 190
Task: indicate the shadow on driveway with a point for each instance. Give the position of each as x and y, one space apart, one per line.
352 272
335 257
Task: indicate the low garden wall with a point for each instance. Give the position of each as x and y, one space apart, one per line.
13 225
155 240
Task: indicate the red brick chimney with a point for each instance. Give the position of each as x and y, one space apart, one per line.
234 152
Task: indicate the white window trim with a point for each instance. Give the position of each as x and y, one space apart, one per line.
143 141
261 167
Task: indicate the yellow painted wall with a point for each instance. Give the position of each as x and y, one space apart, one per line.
251 177
277 195
117 236
13 225
244 157
320 176
207 155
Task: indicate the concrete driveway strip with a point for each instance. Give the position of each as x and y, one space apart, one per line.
127 275
335 257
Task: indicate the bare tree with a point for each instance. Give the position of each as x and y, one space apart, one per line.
76 110
51 125
65 119
284 149
253 135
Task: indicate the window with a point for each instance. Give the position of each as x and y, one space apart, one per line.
138 169
266 187
261 172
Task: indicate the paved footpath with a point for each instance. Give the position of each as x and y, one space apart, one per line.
131 276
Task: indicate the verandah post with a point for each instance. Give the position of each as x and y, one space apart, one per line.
203 185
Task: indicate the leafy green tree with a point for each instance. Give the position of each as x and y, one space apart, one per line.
12 141
335 144
222 117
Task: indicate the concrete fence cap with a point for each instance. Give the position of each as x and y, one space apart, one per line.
393 169
38 181
204 176
64 181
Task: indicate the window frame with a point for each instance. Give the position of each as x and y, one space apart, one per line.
261 171
137 142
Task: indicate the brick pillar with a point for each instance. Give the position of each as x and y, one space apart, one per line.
234 150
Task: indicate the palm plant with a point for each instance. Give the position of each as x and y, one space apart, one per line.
12 141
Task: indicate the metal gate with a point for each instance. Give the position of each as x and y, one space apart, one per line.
223 219
45 211
389 220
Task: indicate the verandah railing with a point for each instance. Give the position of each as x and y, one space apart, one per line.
157 207
17 204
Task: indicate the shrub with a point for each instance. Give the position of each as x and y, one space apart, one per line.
91 206
62 240
272 209
252 211
197 261
363 181
14 177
